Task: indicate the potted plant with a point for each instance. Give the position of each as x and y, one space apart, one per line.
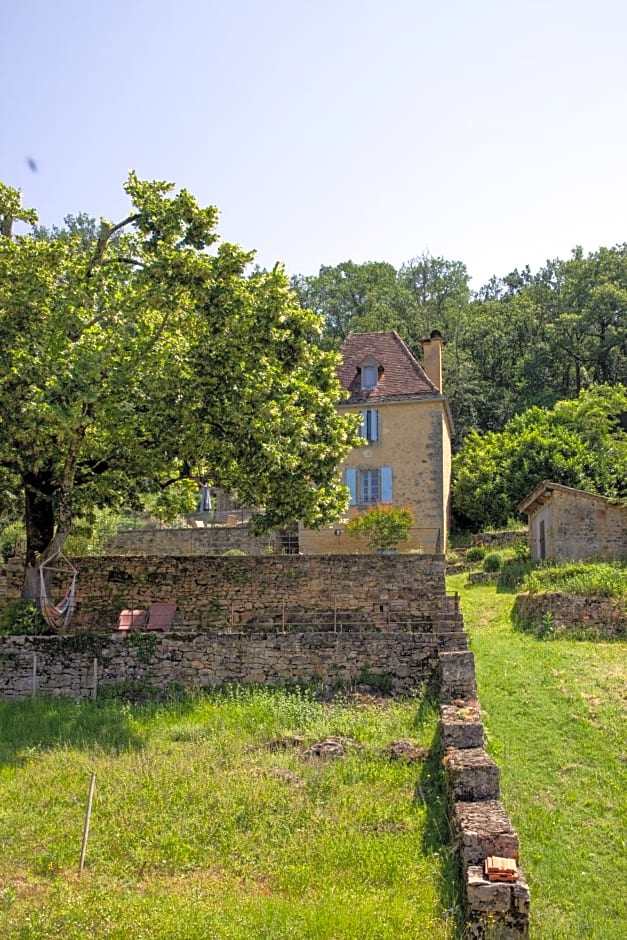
383 527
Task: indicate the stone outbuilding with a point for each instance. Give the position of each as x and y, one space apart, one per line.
571 524
406 427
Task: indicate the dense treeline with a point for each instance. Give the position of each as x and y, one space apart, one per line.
535 365
527 339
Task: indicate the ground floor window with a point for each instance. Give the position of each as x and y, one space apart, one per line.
369 485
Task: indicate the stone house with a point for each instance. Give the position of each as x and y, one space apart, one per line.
570 524
406 427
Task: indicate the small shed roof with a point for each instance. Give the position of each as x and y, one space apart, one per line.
543 492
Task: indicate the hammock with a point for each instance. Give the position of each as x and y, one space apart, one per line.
58 615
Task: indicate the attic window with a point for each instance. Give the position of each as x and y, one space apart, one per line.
370 370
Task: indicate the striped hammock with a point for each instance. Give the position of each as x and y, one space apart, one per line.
58 615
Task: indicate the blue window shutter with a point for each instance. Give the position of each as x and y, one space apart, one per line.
386 484
363 430
350 480
374 425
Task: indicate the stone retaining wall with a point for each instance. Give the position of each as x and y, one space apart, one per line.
504 539
212 540
604 615
479 825
79 666
219 592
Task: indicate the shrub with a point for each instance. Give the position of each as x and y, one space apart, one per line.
492 562
233 552
11 540
383 527
475 553
22 618
521 550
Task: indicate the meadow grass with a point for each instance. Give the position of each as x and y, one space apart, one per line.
554 712
602 579
209 821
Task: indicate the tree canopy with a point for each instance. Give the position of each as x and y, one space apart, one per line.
580 443
523 340
140 353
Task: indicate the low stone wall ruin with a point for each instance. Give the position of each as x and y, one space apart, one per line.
480 827
605 616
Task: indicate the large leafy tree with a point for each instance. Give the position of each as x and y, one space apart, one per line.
580 443
138 353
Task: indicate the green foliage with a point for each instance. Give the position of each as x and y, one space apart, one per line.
600 579
22 618
475 553
526 339
140 357
234 552
145 644
493 562
12 540
383 527
578 443
513 572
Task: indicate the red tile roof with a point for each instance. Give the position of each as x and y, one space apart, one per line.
402 378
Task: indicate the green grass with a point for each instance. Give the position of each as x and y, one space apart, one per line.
202 827
555 719
602 579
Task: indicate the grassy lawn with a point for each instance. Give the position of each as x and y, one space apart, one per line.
555 718
210 821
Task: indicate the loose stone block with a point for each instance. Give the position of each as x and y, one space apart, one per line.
493 909
471 775
484 895
520 891
461 725
483 829
457 675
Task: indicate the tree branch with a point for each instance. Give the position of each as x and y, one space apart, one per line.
106 231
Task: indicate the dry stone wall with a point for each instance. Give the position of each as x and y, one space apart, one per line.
212 540
375 591
605 616
69 666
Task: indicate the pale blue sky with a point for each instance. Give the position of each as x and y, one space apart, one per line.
485 131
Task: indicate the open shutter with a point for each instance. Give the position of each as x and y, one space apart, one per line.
374 425
386 484
363 430
350 480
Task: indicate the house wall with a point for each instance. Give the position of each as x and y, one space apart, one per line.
414 440
578 526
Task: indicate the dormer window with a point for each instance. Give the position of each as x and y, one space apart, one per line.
370 370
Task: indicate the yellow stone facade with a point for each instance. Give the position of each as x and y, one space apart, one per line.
414 441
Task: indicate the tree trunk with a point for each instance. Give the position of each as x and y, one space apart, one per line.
39 517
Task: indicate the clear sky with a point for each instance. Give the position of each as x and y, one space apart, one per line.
484 131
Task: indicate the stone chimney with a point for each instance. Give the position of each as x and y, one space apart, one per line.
432 352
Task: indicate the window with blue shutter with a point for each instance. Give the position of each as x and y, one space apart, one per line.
350 480
369 424
386 484
369 486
